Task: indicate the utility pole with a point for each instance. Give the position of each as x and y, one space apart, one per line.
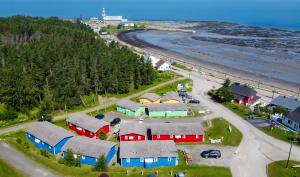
273 93
287 163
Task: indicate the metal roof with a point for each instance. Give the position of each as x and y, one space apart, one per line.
88 146
167 107
151 96
48 132
129 104
87 122
171 96
144 149
294 115
243 90
289 102
176 129
137 128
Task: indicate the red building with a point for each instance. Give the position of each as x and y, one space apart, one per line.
178 132
243 94
133 132
87 126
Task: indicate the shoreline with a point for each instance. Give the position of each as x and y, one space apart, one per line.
251 78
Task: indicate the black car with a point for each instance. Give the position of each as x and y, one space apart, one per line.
194 101
211 154
99 116
115 121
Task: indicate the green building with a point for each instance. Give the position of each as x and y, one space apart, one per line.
130 108
167 110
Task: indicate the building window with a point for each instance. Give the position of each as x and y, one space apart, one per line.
289 122
141 159
171 136
183 136
79 128
126 137
197 136
158 136
131 138
127 160
50 147
155 159
169 159
29 135
83 157
42 143
139 137
37 140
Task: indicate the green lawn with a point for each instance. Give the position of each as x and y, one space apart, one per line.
103 111
181 66
220 128
61 123
173 87
7 170
239 109
279 134
114 171
277 169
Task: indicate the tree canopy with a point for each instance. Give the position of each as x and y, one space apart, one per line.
52 63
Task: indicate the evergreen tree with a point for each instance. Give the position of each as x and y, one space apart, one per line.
101 164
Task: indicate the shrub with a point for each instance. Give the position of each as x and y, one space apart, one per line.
100 165
102 135
19 141
44 153
26 145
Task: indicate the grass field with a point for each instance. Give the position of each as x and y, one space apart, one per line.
7 170
114 171
277 169
279 134
239 109
220 128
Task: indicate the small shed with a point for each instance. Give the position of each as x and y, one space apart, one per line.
167 110
171 97
149 98
48 136
132 132
89 150
148 154
130 108
88 126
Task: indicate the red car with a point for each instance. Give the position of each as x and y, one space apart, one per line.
104 175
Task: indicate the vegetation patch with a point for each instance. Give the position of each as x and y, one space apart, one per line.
281 134
240 109
173 87
278 169
181 66
221 128
7 170
104 110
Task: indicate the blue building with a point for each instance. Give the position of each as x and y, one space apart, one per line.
89 149
148 154
48 136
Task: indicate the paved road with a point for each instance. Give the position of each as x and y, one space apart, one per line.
22 162
256 149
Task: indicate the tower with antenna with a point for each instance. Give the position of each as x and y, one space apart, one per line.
103 13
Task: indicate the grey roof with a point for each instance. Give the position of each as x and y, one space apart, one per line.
129 104
151 96
294 115
159 63
87 122
48 132
171 96
176 129
289 102
243 90
137 128
88 146
142 149
167 107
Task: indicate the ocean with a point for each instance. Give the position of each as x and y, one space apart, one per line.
284 14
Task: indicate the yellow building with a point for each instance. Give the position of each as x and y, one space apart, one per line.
170 97
149 98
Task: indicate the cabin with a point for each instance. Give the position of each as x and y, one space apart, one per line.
170 97
48 136
177 132
244 94
149 98
292 120
88 126
163 66
148 154
289 102
132 132
89 149
130 108
167 110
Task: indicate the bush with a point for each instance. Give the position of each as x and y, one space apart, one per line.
69 159
100 165
102 135
44 153
26 145
8 115
19 141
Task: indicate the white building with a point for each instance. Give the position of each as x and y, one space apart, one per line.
161 65
292 120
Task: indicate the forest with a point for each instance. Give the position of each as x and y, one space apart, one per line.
50 64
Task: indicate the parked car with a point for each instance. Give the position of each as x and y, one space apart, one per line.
115 121
99 116
179 174
188 97
212 153
103 175
151 175
194 101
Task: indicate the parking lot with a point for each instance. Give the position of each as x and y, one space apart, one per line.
195 150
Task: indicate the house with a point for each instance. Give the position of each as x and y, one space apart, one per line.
48 136
133 132
130 108
167 110
292 120
161 65
170 97
148 154
149 98
288 102
88 126
89 149
244 94
178 132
